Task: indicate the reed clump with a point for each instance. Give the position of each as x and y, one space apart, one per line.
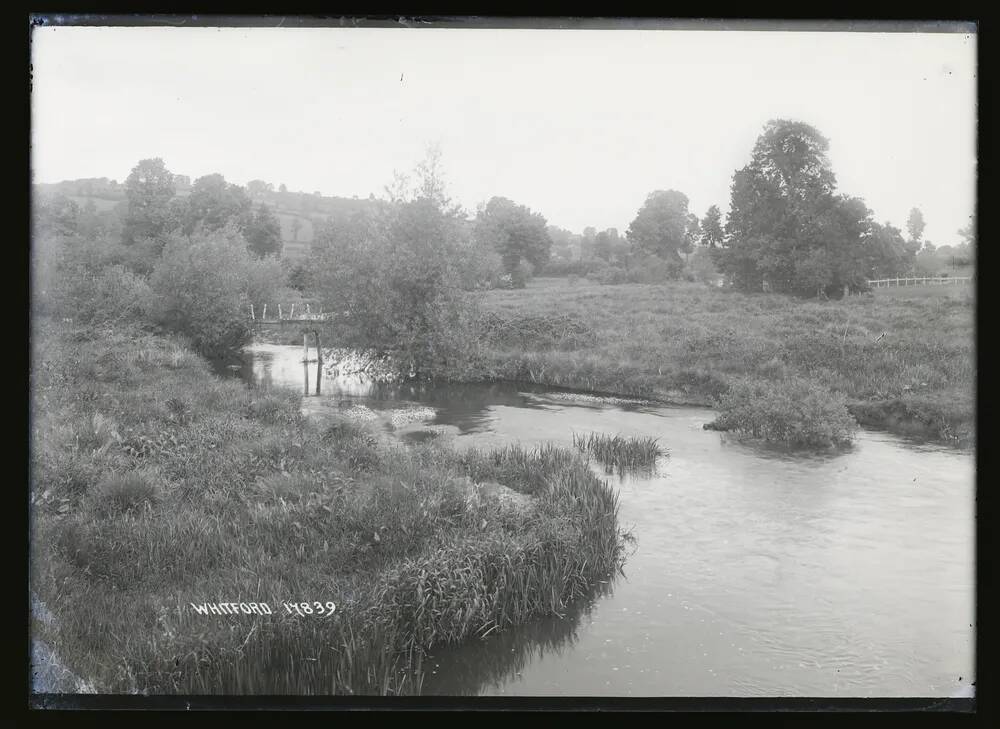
618 453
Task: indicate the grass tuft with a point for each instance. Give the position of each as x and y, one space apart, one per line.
620 454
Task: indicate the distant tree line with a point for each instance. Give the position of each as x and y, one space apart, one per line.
787 230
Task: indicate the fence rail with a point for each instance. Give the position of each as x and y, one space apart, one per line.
924 281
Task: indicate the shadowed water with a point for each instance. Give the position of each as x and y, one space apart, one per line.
756 572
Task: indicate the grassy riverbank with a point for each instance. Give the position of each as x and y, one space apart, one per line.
156 485
685 342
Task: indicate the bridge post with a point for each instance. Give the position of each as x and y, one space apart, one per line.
319 361
305 359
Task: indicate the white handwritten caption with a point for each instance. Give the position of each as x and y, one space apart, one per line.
302 609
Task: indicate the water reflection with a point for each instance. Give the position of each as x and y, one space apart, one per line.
758 571
489 662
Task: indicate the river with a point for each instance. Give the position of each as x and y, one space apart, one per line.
756 572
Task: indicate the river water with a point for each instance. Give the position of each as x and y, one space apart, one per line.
756 572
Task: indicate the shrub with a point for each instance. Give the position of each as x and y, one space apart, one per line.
204 285
793 411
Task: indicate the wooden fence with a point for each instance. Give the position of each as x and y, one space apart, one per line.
925 281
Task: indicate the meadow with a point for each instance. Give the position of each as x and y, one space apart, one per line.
156 485
903 358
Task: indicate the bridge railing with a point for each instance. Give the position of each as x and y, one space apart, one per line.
289 313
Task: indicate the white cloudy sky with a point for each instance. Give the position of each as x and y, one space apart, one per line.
579 125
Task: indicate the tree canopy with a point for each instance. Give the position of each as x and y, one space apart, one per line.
514 232
788 229
661 225
149 190
711 228
213 203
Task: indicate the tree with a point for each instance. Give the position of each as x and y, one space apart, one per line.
258 188
787 229
661 225
263 233
515 233
602 245
149 189
393 271
214 203
692 234
58 215
915 224
711 228
889 255
430 181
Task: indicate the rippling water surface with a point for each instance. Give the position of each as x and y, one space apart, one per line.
756 572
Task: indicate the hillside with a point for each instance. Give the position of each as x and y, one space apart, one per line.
298 212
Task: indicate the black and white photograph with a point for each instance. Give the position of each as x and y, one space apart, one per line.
527 358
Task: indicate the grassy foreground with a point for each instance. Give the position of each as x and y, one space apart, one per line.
684 342
156 485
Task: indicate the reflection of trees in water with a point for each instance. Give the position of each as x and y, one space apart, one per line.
467 669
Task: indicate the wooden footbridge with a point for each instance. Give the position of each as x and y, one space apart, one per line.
305 318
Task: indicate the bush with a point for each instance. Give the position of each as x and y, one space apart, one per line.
793 411
79 279
204 285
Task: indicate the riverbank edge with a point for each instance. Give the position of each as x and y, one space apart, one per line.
518 560
893 416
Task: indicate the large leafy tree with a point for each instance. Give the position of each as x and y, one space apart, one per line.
711 227
788 229
263 233
661 225
514 232
149 190
214 203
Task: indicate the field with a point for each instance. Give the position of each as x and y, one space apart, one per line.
904 358
156 486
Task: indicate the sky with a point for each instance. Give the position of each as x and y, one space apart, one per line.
579 125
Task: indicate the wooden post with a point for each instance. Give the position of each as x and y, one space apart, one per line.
264 314
279 311
291 314
308 311
251 313
305 359
319 362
